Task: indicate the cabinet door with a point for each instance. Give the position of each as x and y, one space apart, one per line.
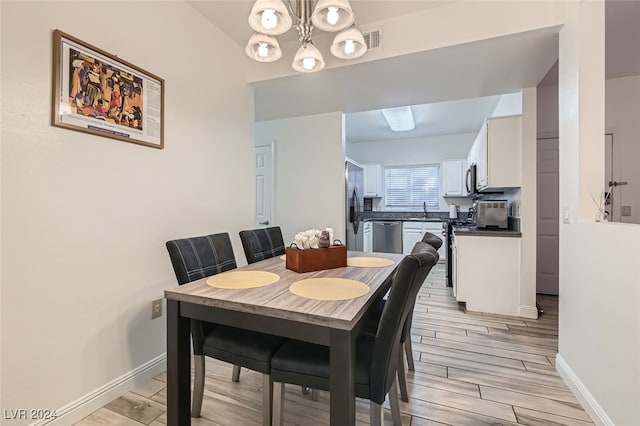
372 180
452 176
437 229
502 152
454 270
411 234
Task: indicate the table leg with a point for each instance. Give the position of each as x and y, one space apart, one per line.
178 366
342 376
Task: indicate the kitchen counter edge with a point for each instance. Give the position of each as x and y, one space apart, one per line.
486 232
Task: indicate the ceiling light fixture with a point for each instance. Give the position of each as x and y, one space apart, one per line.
269 18
400 119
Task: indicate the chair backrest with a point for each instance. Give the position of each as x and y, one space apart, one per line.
432 239
407 281
199 257
421 247
261 244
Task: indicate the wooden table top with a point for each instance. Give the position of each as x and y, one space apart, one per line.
277 301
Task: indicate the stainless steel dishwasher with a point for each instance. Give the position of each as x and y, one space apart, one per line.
387 237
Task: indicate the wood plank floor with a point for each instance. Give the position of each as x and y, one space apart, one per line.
471 369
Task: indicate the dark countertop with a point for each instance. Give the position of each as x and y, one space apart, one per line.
401 219
473 231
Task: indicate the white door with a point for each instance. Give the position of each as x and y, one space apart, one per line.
264 185
547 217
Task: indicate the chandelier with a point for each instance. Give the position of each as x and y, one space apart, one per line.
270 18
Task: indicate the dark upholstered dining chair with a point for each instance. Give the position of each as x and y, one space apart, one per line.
200 257
432 239
263 243
406 347
308 364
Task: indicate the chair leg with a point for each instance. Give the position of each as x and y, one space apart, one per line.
402 379
267 399
408 350
198 385
395 405
235 375
278 404
376 414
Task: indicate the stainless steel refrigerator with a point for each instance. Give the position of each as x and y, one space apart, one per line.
354 175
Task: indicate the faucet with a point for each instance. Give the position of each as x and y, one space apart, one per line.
424 208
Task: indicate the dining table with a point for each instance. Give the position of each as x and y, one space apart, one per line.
276 310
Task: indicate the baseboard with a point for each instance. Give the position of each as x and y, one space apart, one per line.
589 403
87 404
528 311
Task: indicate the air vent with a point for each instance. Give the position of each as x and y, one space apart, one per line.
373 38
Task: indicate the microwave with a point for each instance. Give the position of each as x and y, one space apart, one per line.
492 214
470 179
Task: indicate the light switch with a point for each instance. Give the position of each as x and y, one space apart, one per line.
626 211
566 215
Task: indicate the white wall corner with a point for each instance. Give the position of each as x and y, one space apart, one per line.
98 398
528 312
589 403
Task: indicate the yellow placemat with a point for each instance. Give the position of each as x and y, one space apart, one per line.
283 257
242 279
369 262
329 288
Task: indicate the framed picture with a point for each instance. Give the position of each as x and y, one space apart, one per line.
96 92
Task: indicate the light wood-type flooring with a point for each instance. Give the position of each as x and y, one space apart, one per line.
471 369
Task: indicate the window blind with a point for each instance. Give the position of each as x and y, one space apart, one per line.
410 186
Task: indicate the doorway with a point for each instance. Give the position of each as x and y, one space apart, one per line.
548 209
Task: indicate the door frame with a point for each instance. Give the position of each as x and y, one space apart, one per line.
273 213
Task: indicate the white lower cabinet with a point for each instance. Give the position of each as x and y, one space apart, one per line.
367 234
486 273
412 232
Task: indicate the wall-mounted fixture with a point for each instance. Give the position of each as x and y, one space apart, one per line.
400 119
274 17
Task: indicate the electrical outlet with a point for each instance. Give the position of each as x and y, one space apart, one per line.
156 308
626 211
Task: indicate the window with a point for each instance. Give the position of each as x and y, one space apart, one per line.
410 186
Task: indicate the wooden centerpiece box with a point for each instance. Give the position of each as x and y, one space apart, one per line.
334 256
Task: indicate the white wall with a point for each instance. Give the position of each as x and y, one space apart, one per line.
622 103
401 152
599 320
85 218
528 202
309 178
509 104
622 111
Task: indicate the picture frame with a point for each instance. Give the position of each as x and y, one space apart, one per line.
98 93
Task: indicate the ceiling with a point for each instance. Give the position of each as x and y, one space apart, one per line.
451 89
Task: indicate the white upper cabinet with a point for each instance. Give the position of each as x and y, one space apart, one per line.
373 180
453 178
498 153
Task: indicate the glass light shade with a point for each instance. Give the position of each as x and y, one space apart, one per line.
308 59
263 48
349 44
276 19
332 15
